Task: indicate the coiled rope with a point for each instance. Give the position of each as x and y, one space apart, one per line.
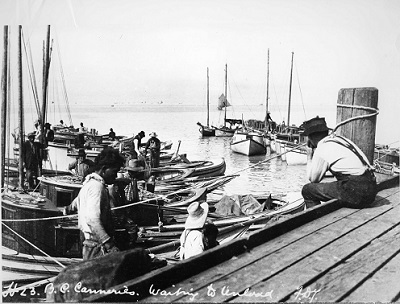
375 112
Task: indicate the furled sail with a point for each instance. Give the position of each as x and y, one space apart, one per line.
222 102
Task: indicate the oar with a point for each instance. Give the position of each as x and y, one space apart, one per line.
177 209
177 150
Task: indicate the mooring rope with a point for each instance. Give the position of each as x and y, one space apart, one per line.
34 246
375 112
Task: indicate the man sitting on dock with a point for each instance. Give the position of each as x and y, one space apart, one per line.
356 183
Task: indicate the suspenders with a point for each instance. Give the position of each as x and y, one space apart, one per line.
346 143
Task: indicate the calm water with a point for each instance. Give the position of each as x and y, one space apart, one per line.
173 123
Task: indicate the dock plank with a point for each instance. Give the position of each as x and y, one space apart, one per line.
382 287
228 269
341 280
311 267
295 259
191 274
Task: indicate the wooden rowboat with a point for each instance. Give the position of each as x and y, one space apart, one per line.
295 204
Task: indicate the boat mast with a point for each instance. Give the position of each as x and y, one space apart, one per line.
20 112
208 99
266 103
4 82
290 91
226 92
46 66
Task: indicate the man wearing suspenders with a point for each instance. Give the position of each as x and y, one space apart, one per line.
356 183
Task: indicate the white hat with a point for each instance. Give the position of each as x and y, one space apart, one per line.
153 134
197 215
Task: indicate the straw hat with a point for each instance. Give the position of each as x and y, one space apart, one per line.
197 215
153 134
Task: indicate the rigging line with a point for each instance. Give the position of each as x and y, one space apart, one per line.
31 74
301 93
34 246
394 142
64 87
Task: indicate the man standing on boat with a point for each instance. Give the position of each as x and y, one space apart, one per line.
356 183
154 145
32 159
81 165
111 135
93 205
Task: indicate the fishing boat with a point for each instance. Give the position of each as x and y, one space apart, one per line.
202 168
207 131
248 142
225 131
230 227
276 205
286 134
292 153
268 125
385 154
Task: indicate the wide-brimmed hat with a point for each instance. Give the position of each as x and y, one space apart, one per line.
32 134
314 125
197 215
153 134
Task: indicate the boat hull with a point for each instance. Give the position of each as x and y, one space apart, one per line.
248 144
206 131
224 132
297 156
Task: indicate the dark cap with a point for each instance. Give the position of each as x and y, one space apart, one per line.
32 134
314 125
81 152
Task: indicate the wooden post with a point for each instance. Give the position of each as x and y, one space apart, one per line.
4 83
360 131
20 112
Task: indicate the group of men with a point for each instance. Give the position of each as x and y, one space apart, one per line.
355 185
32 151
135 156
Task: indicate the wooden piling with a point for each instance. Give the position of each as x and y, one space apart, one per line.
360 131
4 94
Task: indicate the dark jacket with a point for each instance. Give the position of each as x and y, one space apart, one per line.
32 154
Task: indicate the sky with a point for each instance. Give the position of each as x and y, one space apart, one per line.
153 51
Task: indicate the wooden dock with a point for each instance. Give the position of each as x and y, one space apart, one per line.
324 254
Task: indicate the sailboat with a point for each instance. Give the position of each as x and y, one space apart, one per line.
225 131
26 237
207 130
289 136
248 142
252 141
